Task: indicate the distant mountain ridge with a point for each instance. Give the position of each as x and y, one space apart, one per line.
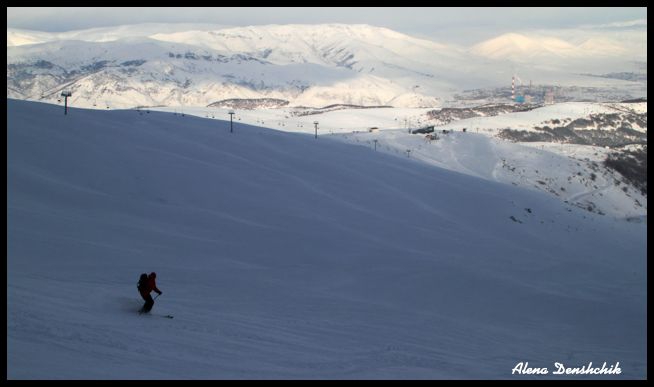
307 65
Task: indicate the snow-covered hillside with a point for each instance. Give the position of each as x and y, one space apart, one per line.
570 172
306 65
285 256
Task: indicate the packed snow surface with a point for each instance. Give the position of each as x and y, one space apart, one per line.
285 256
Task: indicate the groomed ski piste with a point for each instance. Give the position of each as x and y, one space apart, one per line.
282 256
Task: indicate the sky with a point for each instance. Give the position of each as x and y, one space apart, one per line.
458 25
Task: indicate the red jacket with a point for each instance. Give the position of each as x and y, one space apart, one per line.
150 286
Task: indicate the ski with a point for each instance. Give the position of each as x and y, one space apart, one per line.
152 314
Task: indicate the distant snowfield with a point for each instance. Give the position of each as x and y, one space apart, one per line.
539 117
285 256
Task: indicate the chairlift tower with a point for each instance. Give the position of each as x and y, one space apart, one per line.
231 127
66 94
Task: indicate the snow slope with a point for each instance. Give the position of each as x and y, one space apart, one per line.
572 173
283 256
564 171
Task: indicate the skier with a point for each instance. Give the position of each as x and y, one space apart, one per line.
146 285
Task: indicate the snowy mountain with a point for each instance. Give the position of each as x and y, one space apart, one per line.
520 48
307 65
19 37
310 65
283 256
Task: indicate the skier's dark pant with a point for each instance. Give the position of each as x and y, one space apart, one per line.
149 302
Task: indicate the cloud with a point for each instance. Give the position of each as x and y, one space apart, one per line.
637 23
